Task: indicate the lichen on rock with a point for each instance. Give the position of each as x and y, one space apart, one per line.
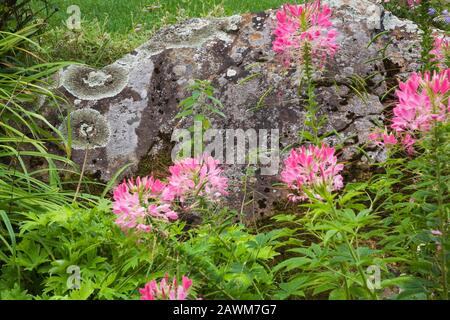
90 84
192 33
88 128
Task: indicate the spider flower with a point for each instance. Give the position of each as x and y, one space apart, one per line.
195 177
308 168
383 138
306 24
166 290
137 202
441 51
413 3
423 100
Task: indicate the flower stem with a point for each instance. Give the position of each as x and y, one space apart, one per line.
312 106
443 216
351 249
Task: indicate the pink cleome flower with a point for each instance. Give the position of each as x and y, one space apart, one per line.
135 203
165 290
413 3
383 138
298 25
408 143
311 167
423 99
436 233
441 51
195 177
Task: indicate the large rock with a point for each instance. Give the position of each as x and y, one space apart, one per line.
138 95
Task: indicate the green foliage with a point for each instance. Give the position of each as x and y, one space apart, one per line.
25 133
225 260
381 223
92 44
17 14
313 121
230 262
49 243
427 210
26 138
336 248
201 105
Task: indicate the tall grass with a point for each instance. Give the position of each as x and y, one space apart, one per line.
25 136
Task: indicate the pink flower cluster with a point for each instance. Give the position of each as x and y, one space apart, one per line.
195 177
166 290
308 168
383 138
136 204
310 24
423 99
441 51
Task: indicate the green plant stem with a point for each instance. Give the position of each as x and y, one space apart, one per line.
351 249
441 211
347 291
311 106
81 176
427 37
429 65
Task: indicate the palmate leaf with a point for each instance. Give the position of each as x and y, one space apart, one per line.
411 288
15 293
293 288
87 288
292 263
30 255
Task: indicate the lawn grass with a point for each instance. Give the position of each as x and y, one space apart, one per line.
109 27
123 15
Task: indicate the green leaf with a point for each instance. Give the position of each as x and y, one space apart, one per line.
184 113
292 263
11 233
338 294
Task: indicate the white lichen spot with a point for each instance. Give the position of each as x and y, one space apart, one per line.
89 129
97 79
231 73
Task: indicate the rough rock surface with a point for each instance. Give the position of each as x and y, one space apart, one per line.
139 94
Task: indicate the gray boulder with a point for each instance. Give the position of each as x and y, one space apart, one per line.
138 95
